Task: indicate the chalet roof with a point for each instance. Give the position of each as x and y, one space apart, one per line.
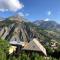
34 45
17 43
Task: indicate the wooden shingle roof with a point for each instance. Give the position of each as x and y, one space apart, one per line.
35 45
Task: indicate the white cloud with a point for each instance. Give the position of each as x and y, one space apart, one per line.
3 10
49 13
11 5
23 14
47 19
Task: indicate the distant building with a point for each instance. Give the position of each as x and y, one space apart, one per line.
54 44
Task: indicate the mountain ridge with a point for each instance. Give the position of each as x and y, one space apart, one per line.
52 25
26 31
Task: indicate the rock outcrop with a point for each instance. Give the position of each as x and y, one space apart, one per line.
16 30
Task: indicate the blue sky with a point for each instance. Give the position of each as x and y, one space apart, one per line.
37 9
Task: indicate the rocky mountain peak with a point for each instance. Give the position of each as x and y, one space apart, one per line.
16 18
15 28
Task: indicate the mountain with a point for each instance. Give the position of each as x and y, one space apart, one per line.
1 19
51 25
17 28
17 17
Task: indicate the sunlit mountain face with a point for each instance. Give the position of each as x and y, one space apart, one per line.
53 25
18 27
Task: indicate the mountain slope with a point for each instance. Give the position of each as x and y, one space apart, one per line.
21 30
51 25
16 28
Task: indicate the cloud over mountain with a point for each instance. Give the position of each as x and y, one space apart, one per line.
23 14
10 5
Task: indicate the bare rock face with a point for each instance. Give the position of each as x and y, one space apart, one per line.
18 18
16 29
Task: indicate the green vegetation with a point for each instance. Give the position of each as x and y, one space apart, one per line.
3 49
4 45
